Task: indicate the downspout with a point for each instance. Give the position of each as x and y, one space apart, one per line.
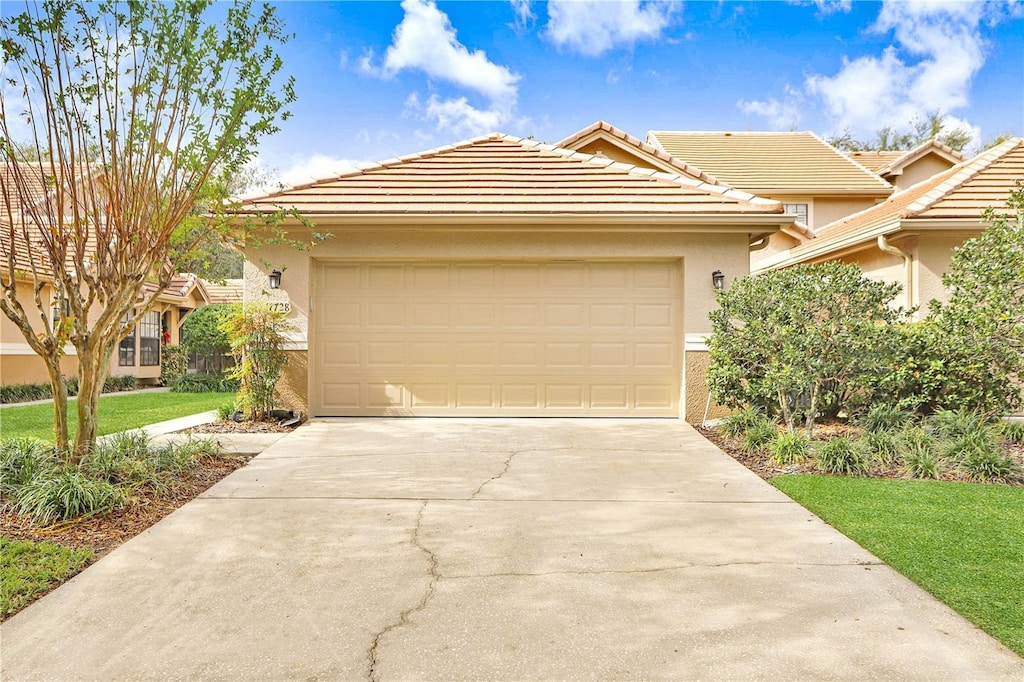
908 265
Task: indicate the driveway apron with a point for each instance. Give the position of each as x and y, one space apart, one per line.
379 549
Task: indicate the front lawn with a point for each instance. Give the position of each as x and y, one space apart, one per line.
962 542
28 570
116 412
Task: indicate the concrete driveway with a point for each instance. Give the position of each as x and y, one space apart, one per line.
494 549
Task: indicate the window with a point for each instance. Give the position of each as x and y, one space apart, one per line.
149 339
799 210
126 349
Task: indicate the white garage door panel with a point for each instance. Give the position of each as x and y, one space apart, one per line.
479 339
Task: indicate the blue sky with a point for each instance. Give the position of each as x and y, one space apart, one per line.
379 79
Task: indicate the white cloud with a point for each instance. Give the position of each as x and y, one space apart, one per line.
784 114
592 27
825 7
524 13
457 116
300 171
426 41
937 48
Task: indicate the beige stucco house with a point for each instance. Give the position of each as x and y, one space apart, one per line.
910 237
905 169
504 277
137 355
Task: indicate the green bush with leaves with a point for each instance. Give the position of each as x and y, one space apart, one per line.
202 333
258 335
983 321
737 423
921 458
1012 432
759 436
173 364
884 416
795 340
20 393
21 460
883 447
67 494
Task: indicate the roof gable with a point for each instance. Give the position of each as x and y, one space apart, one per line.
635 147
511 176
889 162
962 193
772 163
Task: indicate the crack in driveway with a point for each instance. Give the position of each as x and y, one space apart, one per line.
492 479
403 617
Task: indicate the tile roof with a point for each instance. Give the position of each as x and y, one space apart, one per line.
772 163
181 285
228 292
891 162
502 175
607 130
961 193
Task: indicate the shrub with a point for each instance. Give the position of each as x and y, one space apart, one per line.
789 447
173 364
20 393
978 453
737 423
883 417
204 383
1012 432
759 436
258 335
201 332
63 494
226 411
792 340
120 383
842 456
882 446
920 454
122 458
957 423
21 460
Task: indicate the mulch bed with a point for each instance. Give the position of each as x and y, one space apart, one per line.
761 465
103 533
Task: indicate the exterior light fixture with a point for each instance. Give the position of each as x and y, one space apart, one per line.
275 279
718 279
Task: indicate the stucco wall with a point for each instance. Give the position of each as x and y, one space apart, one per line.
922 169
701 254
697 363
30 369
935 252
883 267
830 209
613 153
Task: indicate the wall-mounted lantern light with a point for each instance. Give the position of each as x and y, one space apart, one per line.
275 279
718 279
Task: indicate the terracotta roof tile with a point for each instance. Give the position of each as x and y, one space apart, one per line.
888 162
500 174
228 292
772 163
963 192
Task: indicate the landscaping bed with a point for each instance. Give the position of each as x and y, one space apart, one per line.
97 535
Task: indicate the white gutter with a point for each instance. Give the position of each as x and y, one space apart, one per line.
908 265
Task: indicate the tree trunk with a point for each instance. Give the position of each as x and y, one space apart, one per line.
93 361
60 404
812 410
786 413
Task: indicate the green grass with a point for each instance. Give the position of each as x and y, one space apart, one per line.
29 570
962 542
116 413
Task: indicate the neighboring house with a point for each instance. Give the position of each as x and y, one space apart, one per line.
905 169
504 277
138 355
813 180
910 237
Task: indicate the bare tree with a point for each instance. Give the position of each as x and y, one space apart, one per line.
135 116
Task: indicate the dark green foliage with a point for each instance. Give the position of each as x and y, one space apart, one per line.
20 393
201 332
789 447
204 383
1012 432
21 459
798 339
882 446
759 436
737 423
921 453
258 335
173 364
884 417
842 456
68 493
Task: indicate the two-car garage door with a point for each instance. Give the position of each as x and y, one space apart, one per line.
510 338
